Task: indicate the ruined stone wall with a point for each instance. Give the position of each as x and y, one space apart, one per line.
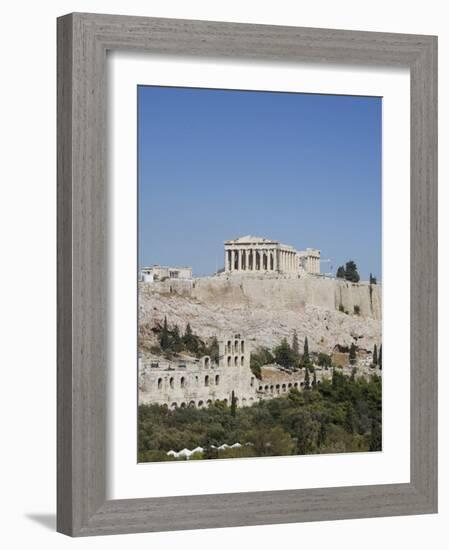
199 386
196 385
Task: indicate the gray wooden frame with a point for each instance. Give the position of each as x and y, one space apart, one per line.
83 40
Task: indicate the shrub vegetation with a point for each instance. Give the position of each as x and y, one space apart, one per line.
337 416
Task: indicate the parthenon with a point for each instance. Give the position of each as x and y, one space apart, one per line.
257 254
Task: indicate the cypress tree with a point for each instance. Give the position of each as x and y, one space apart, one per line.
176 340
375 355
379 360
307 380
233 404
295 343
164 338
352 354
305 357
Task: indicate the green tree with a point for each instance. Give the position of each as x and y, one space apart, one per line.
352 354
213 350
233 404
284 355
305 356
176 342
324 360
375 442
164 339
307 380
375 355
351 273
190 340
295 343
341 274
379 359
314 380
259 358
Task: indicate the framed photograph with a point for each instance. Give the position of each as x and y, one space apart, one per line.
247 274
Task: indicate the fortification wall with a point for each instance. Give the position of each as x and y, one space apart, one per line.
290 294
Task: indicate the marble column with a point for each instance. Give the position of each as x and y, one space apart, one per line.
275 260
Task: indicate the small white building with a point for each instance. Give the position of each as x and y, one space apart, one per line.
160 273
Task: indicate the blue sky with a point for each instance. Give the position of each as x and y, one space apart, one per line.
304 169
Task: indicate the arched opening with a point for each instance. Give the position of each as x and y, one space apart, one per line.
183 382
191 404
217 379
159 383
229 360
236 346
278 387
260 388
295 384
174 406
236 361
290 385
209 402
284 387
200 403
229 346
242 360
197 380
242 346
206 380
172 382
252 381
243 402
266 388
271 389
183 405
302 384
207 362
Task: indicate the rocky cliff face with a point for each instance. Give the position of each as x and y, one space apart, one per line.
268 309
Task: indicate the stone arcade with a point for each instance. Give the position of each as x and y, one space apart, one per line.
192 382
256 254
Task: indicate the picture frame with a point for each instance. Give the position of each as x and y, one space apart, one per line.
83 41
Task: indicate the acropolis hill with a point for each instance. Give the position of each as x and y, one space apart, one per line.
267 291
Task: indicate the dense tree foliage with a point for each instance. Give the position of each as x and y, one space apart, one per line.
339 415
285 356
324 360
170 342
349 272
260 357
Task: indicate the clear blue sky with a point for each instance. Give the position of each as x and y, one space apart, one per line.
218 164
